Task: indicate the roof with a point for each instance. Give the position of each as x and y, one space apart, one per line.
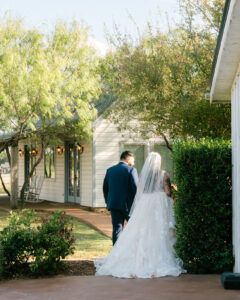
219 39
227 54
103 103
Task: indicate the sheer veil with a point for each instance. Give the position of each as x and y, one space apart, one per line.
145 247
149 179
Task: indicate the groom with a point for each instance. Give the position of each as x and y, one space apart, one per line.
119 189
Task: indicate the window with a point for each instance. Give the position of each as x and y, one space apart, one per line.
139 151
167 162
49 162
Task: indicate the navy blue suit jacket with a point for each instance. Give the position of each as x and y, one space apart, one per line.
120 186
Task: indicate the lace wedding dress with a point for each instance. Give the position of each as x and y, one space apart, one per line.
145 247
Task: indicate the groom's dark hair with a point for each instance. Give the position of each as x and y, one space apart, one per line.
126 154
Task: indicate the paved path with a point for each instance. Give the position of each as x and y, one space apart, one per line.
99 221
185 287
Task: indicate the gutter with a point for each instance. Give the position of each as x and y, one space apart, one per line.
219 40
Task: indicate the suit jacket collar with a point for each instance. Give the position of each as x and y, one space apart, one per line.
123 162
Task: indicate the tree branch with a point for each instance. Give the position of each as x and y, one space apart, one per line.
167 142
3 185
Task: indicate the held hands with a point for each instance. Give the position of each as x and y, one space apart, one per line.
174 189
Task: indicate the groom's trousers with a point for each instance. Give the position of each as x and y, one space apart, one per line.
118 218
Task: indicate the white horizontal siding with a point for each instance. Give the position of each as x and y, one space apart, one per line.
95 160
86 176
107 147
52 188
236 170
111 143
106 153
21 165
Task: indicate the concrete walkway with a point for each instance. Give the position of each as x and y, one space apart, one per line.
185 287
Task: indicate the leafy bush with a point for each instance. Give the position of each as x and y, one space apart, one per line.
43 246
52 242
203 208
16 240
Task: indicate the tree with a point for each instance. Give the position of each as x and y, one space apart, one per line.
47 85
4 157
161 80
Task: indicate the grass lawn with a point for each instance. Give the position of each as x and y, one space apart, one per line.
89 242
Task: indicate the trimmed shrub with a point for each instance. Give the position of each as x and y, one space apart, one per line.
203 206
16 240
35 249
53 241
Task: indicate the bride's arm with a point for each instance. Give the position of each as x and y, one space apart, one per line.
167 184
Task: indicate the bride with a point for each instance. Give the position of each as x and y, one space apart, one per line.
145 247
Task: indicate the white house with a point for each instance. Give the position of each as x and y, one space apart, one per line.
225 87
72 176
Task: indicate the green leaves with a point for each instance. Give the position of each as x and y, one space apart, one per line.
163 78
203 206
44 244
46 80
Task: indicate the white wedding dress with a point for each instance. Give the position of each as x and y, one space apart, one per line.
145 247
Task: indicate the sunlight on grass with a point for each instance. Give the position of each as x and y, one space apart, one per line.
3 218
89 242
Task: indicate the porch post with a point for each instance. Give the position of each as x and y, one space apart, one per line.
236 173
14 176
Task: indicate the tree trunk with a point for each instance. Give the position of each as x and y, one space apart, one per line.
9 160
29 176
8 155
14 176
167 142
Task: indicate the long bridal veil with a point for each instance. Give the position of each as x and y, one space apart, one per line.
145 247
149 179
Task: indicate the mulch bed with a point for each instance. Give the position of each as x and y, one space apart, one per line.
72 268
79 268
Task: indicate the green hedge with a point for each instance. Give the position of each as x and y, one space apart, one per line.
203 206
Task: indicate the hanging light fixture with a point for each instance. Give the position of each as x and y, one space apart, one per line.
34 152
80 148
60 150
20 152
